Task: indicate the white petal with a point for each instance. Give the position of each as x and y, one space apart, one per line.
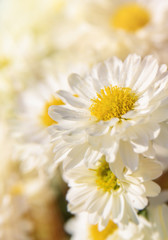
141 141
128 156
144 133
130 67
117 167
96 129
75 156
114 66
148 169
129 213
69 114
118 208
160 115
79 174
92 203
81 194
104 199
152 189
102 223
135 188
162 139
93 218
138 202
91 157
70 99
77 85
108 208
96 204
146 74
150 153
139 146
100 73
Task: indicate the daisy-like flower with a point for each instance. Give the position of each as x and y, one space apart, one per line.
138 19
154 226
29 128
149 227
105 195
121 107
32 113
79 228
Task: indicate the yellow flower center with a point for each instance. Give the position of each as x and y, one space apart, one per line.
130 17
45 118
94 233
105 178
113 102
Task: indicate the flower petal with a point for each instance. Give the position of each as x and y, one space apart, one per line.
128 156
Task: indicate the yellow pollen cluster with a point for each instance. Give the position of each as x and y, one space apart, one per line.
94 233
105 178
130 17
113 102
45 118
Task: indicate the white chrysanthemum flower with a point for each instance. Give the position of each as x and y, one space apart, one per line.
121 106
79 228
33 148
32 113
138 19
105 195
155 227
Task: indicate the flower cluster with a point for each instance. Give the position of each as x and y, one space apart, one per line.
84 120
108 128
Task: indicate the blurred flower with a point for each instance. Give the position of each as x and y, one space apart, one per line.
25 190
79 228
15 223
138 20
153 227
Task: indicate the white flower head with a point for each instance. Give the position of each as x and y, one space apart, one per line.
105 195
79 228
154 226
138 19
149 227
32 113
118 107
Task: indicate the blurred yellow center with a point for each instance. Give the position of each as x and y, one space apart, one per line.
130 17
112 102
4 62
94 233
16 189
105 178
45 118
